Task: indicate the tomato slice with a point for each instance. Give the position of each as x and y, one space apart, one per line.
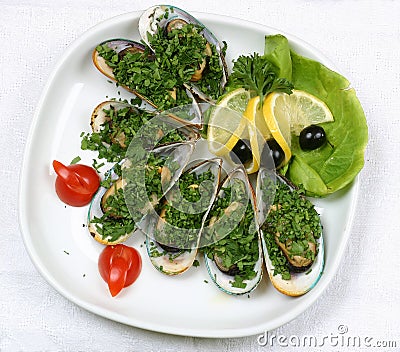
119 266
75 184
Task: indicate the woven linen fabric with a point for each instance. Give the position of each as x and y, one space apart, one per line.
360 37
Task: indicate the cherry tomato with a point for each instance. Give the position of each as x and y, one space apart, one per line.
119 266
76 184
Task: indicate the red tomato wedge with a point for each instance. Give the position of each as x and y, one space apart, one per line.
75 184
119 266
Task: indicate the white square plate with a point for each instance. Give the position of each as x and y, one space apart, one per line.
66 255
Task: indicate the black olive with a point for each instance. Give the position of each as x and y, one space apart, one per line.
272 150
241 151
312 137
167 248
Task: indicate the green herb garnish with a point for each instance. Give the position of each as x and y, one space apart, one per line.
256 74
239 245
160 77
183 219
292 221
120 127
75 160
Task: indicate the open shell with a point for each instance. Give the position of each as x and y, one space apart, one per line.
167 17
300 282
99 119
174 152
97 209
166 257
232 215
175 157
163 122
120 47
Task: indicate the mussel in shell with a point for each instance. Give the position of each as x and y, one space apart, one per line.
114 59
168 23
108 53
117 210
109 221
291 234
118 122
232 244
174 232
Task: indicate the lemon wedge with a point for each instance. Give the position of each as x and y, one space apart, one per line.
226 124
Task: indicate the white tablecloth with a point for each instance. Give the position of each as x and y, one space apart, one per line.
361 37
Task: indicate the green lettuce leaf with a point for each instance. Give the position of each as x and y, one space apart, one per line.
277 51
336 166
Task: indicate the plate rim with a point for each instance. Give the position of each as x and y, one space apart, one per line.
132 321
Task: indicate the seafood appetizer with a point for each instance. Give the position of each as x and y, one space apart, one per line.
232 245
174 236
291 233
163 27
119 206
171 36
115 123
279 122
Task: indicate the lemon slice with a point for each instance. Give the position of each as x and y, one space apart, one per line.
277 120
254 113
257 130
302 108
226 125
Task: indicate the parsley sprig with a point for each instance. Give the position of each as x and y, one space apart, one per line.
257 74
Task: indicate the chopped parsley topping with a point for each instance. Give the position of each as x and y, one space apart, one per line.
119 127
145 198
295 224
238 249
115 133
182 51
160 77
183 219
117 219
75 160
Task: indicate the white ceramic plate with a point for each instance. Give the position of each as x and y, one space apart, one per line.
66 255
